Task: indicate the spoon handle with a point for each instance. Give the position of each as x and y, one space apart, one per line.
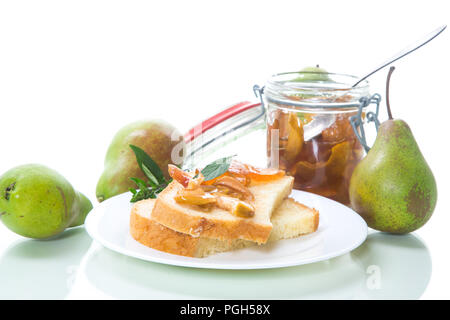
412 47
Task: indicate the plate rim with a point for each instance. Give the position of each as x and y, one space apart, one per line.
93 218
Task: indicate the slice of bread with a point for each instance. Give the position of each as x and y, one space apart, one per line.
291 219
221 224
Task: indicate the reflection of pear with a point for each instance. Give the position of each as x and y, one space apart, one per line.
397 267
31 269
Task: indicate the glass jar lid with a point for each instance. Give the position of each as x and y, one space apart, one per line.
316 90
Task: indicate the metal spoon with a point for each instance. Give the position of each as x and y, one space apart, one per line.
412 47
320 123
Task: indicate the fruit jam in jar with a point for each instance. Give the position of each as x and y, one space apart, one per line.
309 134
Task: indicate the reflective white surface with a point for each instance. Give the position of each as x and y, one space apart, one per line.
73 267
31 269
379 269
384 267
62 101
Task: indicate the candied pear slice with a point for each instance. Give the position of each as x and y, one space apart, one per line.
340 156
340 130
294 137
196 197
237 207
334 167
235 185
309 173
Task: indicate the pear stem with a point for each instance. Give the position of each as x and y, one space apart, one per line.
387 92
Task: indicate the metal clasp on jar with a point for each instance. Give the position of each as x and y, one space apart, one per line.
357 120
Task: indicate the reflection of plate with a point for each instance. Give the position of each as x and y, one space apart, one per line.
340 231
384 267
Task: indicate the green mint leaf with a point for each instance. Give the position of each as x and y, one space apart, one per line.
152 179
142 195
140 183
144 160
144 191
216 168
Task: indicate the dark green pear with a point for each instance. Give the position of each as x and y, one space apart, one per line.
393 187
160 140
37 202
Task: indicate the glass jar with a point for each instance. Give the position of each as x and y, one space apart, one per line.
314 129
309 132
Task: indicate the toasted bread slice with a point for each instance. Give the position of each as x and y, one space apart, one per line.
291 219
221 224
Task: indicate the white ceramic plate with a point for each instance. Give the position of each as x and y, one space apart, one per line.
340 231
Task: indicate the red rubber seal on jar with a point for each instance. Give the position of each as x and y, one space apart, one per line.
219 118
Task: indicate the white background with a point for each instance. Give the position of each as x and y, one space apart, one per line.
73 72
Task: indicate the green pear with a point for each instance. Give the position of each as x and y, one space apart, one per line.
312 74
37 202
84 207
156 137
393 187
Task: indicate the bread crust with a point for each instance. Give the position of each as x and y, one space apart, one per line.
316 219
174 217
156 236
